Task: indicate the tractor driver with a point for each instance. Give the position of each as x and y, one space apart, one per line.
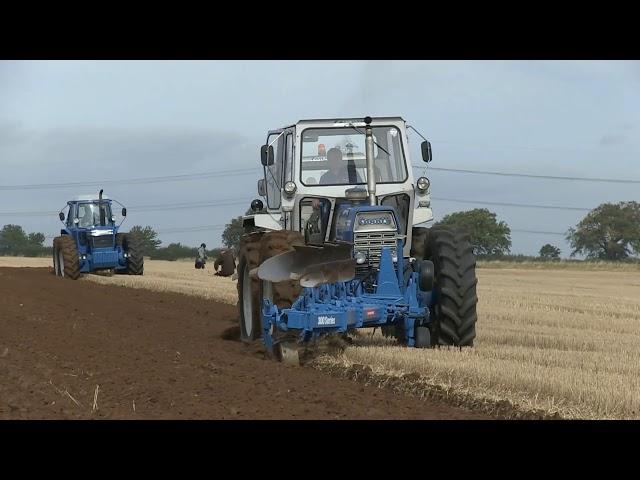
87 216
339 173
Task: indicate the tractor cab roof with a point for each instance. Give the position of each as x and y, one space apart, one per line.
338 122
347 120
88 198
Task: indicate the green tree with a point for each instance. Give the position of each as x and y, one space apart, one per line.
611 231
233 232
549 252
15 241
12 239
488 235
147 237
35 239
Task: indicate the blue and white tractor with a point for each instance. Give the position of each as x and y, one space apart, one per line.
90 241
340 244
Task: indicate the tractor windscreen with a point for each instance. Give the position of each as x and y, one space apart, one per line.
92 215
336 156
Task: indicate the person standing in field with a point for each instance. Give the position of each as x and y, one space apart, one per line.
201 259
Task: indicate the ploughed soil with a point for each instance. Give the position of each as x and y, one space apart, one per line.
80 350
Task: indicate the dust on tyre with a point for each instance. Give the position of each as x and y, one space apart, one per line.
455 282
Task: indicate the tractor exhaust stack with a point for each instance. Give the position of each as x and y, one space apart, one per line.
371 173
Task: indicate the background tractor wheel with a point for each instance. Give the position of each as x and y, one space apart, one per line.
249 288
66 263
454 284
131 245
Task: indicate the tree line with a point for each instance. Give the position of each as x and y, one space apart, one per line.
14 241
609 232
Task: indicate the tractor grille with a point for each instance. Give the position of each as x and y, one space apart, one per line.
102 259
102 241
372 243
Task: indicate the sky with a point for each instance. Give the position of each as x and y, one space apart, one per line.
108 121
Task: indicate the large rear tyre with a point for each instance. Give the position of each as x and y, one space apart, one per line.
131 245
249 288
66 262
454 284
281 294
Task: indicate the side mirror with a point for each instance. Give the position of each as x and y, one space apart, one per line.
262 188
266 155
124 212
61 215
426 151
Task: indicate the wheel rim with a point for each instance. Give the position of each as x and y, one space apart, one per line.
247 302
60 263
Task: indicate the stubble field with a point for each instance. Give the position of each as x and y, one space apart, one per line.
552 342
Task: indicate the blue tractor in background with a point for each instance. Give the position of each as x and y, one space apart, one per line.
90 241
341 243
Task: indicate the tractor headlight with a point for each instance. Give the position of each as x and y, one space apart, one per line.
290 188
361 257
423 184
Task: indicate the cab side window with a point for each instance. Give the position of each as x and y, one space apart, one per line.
273 174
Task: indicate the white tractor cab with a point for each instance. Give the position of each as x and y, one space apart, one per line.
295 160
337 238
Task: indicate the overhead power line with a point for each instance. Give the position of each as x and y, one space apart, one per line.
134 181
253 170
528 175
537 232
238 201
146 208
508 204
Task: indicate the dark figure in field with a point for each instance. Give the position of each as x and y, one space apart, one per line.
201 259
227 261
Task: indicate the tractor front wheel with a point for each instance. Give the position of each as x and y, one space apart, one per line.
66 263
131 245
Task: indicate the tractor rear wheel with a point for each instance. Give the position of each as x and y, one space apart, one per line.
454 284
249 288
131 245
66 262
281 294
